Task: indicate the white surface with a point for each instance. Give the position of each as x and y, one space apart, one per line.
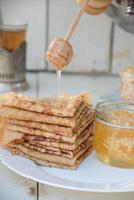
54 193
33 12
91 175
15 187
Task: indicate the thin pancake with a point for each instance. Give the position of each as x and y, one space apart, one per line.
33 131
65 106
9 136
60 130
57 151
14 113
49 157
52 164
60 144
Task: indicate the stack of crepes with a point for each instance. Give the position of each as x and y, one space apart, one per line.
56 132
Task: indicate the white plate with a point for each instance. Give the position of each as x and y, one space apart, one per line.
91 175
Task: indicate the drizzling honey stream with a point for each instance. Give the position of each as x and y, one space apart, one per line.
59 82
60 51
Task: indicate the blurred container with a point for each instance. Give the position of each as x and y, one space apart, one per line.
127 83
13 56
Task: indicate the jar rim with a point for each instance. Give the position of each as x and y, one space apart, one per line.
104 109
13 25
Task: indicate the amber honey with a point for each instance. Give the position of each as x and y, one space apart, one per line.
114 133
12 35
11 40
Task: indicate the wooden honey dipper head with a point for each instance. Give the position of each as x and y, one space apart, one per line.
59 53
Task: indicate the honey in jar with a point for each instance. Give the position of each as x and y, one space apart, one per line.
114 133
12 35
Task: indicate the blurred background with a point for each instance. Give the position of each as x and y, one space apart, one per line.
100 45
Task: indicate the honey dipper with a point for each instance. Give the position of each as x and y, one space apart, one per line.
60 51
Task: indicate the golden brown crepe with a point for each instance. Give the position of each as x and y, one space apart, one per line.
65 106
8 136
20 137
15 113
61 144
48 130
58 151
47 134
49 157
53 164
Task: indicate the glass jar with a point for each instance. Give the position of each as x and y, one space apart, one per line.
114 133
13 48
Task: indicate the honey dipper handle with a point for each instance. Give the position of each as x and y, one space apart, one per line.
76 20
